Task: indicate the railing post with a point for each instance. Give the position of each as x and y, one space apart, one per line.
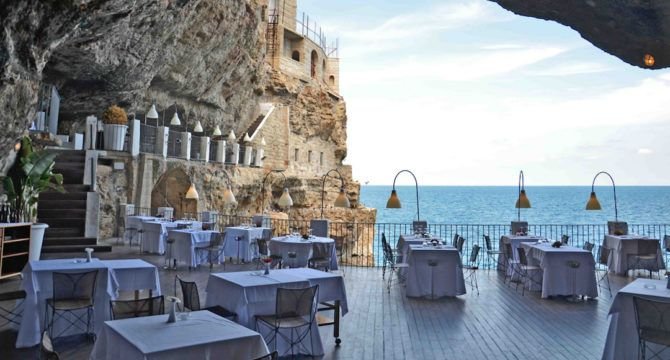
162 135
185 145
221 151
134 127
236 153
91 132
204 148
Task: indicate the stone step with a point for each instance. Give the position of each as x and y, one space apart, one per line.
61 213
67 196
56 232
64 223
47 204
75 248
70 240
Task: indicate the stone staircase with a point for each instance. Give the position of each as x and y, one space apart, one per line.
66 212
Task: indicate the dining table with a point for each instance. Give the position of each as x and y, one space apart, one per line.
622 340
134 275
186 241
239 239
514 241
405 240
251 293
624 245
38 284
303 248
198 335
434 272
566 270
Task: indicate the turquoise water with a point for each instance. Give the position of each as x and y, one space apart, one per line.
495 204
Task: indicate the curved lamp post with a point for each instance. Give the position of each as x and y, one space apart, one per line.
285 200
594 204
394 202
342 200
522 201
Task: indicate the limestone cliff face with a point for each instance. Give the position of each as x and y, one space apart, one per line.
627 29
205 55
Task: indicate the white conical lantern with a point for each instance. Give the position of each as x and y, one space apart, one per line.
175 120
263 142
198 127
217 131
246 138
285 200
231 136
152 114
192 193
229 197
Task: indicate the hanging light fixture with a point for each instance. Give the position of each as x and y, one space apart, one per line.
228 196
152 113
394 202
649 60
198 127
285 200
192 193
217 131
231 136
522 201
175 118
594 204
342 200
246 138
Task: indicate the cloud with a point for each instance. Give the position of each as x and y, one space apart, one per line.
645 151
571 69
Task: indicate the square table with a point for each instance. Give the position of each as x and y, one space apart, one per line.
185 243
624 245
514 240
412 239
434 272
136 221
557 277
203 335
134 275
38 285
303 248
241 249
154 235
249 293
622 340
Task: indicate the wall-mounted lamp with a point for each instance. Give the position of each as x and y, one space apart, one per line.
394 202
522 201
342 200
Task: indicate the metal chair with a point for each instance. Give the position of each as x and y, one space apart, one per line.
214 250
525 270
454 241
602 265
471 267
588 246
321 257
124 309
666 246
565 239
390 261
495 254
646 257
191 300
339 250
168 262
653 325
460 243
47 351
419 227
72 292
295 311
511 264
14 313
261 248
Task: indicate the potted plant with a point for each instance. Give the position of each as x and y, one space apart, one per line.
31 174
116 125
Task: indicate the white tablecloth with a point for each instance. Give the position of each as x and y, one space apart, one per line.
445 278
624 245
155 234
246 236
185 243
134 274
137 220
515 240
557 277
622 339
203 335
303 248
38 284
411 239
249 295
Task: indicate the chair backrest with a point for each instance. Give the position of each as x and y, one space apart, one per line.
339 241
320 227
518 226
262 246
603 255
47 351
522 255
455 239
321 250
617 228
80 286
190 296
487 242
474 253
647 247
217 240
460 243
297 302
666 242
588 246
652 320
507 250
419 226
565 239
388 252
123 309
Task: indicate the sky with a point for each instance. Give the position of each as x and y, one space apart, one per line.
464 92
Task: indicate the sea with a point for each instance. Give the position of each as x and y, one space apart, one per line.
495 204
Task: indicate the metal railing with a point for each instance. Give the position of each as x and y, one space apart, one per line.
362 245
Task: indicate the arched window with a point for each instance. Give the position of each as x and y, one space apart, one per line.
331 80
295 55
315 59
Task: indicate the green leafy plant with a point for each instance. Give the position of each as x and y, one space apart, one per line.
32 174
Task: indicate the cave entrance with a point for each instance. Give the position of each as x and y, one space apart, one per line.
170 191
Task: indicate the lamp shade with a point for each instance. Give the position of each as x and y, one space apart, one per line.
198 127
231 136
246 138
649 60
192 193
393 201
152 113
593 203
522 202
175 120
342 200
217 131
285 199
229 197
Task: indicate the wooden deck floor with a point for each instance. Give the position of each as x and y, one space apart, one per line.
497 324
